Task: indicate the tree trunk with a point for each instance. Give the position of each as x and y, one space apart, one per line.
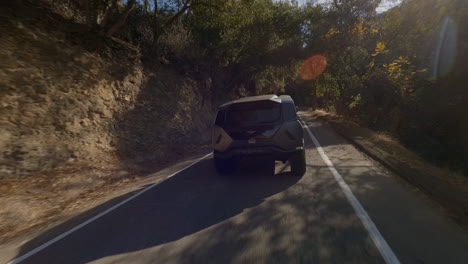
155 25
179 13
121 21
109 12
158 29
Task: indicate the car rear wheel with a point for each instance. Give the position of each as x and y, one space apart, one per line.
298 163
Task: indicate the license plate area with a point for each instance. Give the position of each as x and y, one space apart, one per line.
251 151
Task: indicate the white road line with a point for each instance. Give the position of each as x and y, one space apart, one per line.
377 238
54 240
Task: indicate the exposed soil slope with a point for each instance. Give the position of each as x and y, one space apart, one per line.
79 112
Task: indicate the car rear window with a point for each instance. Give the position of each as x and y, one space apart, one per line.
246 117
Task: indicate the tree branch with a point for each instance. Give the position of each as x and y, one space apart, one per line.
122 19
179 13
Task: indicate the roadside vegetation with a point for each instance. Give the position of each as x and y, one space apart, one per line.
136 82
402 71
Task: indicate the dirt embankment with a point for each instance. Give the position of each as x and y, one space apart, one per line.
79 112
446 187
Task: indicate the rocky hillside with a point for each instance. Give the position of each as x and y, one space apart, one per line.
69 96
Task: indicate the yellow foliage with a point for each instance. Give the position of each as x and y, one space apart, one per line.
331 32
359 27
380 45
379 49
400 68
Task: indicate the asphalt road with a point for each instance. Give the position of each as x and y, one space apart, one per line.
197 216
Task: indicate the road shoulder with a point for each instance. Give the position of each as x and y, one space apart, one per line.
92 204
447 188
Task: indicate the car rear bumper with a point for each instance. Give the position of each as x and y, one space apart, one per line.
261 151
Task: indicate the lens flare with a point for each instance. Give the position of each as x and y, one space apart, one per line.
313 67
446 49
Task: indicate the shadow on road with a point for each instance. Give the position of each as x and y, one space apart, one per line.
191 201
199 216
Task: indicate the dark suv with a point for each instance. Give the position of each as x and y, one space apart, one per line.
259 126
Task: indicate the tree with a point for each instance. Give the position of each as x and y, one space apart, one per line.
121 18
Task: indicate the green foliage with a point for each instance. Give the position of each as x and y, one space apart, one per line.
376 63
384 63
261 38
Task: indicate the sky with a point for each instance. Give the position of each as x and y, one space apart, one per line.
387 4
384 6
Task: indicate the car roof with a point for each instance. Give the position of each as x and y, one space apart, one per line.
259 98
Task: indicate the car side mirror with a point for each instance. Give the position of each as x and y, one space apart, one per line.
297 108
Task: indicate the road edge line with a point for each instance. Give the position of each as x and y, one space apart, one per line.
379 241
92 219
